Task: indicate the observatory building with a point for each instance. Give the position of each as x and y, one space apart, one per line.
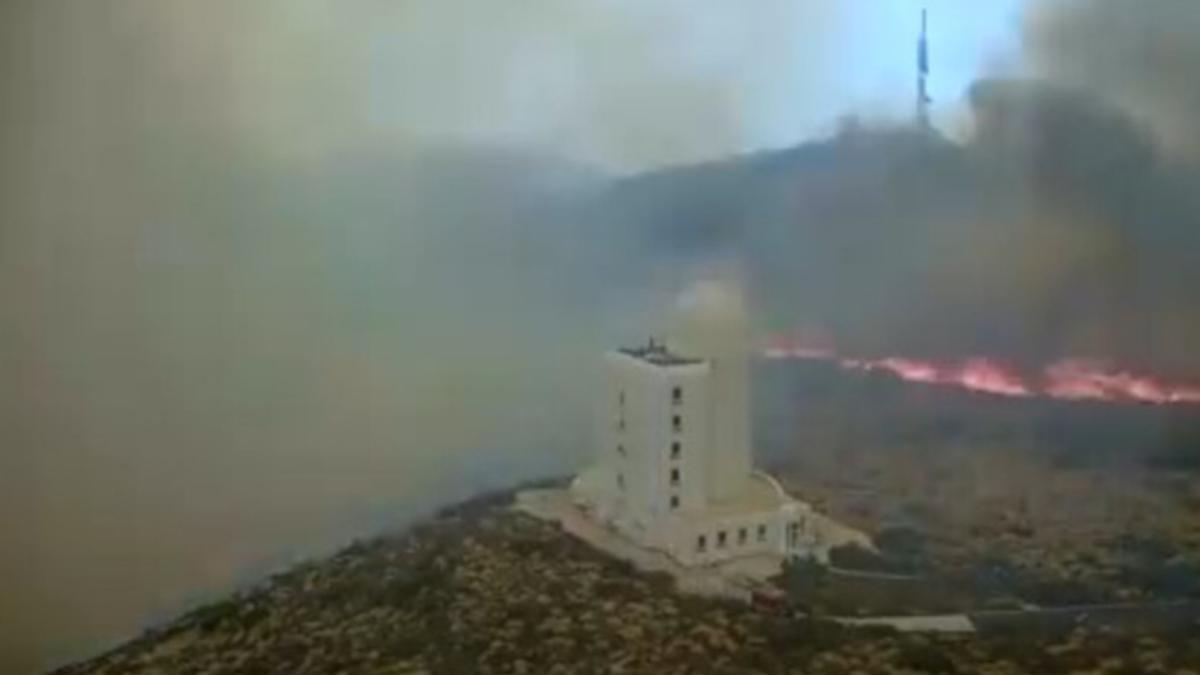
672 468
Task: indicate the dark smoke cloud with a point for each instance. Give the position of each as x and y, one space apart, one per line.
271 274
1094 168
1058 230
247 310
1118 222
1067 224
1141 55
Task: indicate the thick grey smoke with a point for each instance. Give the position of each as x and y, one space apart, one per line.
1066 225
1141 55
1061 229
1097 162
1117 223
1099 156
250 302
619 83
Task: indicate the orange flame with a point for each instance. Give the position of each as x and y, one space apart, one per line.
1067 379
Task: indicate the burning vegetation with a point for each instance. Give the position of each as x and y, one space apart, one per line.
1072 379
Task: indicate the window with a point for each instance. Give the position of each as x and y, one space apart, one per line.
701 543
741 536
675 449
674 476
677 395
621 481
676 422
621 397
721 539
674 501
621 423
762 532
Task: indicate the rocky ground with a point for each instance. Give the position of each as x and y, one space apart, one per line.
482 589
1000 502
1061 535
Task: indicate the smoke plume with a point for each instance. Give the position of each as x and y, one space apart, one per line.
274 274
271 273
1145 62
1066 225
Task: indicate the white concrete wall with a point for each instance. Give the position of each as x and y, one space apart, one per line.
630 485
694 437
684 536
684 545
640 395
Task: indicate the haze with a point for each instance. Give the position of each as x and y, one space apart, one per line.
274 275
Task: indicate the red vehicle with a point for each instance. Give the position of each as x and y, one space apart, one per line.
769 600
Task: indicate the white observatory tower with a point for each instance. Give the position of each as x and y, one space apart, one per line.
672 467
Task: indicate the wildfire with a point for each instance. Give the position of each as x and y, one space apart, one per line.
1068 379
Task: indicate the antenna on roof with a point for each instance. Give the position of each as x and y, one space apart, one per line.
923 99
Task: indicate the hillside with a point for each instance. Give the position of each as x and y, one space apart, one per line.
481 589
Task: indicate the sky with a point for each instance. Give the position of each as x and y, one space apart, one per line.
966 40
621 85
628 86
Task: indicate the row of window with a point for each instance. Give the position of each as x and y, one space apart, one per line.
722 541
676 396
676 423
676 449
676 479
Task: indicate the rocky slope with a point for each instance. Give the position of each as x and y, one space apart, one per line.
481 589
